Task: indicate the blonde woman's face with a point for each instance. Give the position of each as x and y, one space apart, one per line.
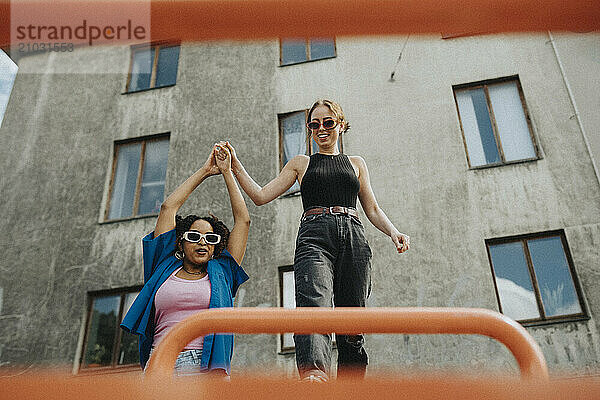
325 138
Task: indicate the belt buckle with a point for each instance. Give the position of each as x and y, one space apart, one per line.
335 213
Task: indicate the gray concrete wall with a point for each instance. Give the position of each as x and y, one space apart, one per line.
579 55
57 143
407 130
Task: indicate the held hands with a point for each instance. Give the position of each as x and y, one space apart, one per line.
219 160
210 166
222 157
401 241
234 158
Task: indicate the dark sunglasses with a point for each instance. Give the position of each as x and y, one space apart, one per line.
196 237
327 124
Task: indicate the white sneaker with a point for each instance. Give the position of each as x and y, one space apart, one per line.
315 378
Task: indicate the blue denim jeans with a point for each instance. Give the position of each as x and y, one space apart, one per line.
187 363
332 267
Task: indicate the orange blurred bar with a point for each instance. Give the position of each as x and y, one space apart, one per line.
260 19
351 321
249 387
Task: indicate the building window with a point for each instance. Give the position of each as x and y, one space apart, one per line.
294 51
535 279
287 291
287 299
8 73
153 66
495 125
138 177
105 344
294 139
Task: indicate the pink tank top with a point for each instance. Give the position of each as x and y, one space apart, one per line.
177 299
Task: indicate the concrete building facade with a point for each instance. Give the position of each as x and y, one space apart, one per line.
61 128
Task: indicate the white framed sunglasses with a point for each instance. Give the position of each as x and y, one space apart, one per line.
196 237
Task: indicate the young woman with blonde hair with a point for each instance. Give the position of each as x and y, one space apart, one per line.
332 259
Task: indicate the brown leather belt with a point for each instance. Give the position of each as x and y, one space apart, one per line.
331 210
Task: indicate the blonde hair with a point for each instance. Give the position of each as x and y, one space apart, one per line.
335 108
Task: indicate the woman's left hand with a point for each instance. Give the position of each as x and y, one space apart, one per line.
210 165
401 241
223 158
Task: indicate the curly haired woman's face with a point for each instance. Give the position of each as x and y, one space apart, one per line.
324 137
201 252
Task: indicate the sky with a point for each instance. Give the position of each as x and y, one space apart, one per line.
8 71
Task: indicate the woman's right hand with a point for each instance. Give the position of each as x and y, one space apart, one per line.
223 158
272 190
234 158
210 166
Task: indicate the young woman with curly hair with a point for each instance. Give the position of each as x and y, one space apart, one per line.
191 264
332 259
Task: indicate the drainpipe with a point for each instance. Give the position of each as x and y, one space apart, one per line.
572 98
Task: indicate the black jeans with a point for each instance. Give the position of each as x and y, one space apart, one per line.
332 266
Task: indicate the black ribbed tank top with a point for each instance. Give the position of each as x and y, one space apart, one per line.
329 181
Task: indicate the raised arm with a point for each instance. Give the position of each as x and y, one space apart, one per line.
169 207
275 188
241 218
374 213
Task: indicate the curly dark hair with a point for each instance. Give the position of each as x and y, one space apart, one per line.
183 224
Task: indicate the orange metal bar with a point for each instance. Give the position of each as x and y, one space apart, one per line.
250 387
259 19
351 321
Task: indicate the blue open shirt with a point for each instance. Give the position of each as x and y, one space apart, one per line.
159 263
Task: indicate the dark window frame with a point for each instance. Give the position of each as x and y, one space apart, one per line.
280 118
146 46
308 139
484 85
144 140
281 271
307 52
543 319
457 35
113 367
291 349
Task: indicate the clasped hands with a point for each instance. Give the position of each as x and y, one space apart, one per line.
219 160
